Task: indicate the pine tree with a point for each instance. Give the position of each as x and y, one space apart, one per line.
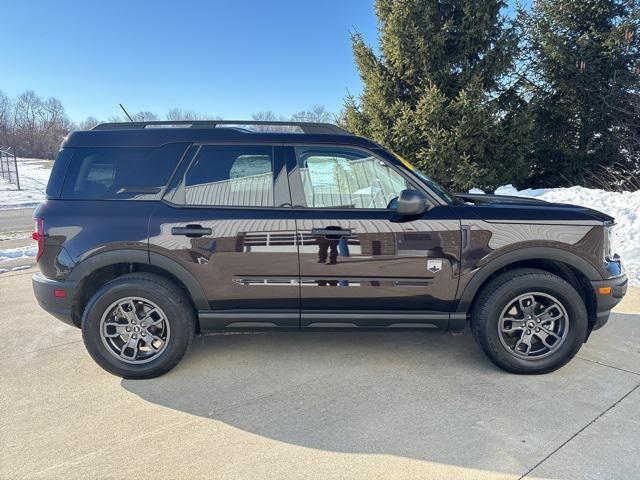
580 61
439 92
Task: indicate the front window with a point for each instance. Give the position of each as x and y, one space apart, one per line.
347 178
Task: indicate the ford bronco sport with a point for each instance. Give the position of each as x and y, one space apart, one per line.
153 232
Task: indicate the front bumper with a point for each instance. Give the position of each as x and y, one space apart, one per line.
61 308
606 301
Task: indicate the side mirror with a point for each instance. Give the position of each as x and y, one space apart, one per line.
411 202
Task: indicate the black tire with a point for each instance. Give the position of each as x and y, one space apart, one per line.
498 294
167 296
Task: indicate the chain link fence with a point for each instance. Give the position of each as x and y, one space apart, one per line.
9 166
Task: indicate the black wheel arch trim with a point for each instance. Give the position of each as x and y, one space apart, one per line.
88 266
529 253
193 286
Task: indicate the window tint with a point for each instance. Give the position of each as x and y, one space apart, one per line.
120 173
346 178
231 175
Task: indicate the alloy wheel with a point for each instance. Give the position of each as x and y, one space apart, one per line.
134 330
533 325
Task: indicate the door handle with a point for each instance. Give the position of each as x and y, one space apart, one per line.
331 232
466 234
191 231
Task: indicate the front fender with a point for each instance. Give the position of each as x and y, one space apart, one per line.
529 253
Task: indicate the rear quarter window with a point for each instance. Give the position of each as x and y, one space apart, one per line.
58 172
120 173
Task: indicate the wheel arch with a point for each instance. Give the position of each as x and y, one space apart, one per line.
569 266
98 269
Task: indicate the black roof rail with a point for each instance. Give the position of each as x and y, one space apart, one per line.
305 127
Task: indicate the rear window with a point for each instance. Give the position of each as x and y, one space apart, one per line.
120 173
231 175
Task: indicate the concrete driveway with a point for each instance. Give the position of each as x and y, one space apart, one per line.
315 405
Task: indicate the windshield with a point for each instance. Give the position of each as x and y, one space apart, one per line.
432 184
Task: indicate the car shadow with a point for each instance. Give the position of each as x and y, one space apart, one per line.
429 395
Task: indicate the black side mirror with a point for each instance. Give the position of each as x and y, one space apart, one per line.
411 202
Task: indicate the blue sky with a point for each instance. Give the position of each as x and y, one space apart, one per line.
219 57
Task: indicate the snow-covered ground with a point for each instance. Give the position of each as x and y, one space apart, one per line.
624 207
34 175
18 253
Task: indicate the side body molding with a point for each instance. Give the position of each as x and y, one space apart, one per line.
528 253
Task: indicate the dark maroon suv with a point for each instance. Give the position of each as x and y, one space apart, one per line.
154 232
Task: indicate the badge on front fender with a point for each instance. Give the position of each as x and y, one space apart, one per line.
434 265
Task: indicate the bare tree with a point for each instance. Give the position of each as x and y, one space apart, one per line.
267 116
33 125
88 123
318 113
179 114
144 116
5 116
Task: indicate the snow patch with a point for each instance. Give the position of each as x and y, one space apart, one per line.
15 269
623 206
10 254
34 174
14 236
20 267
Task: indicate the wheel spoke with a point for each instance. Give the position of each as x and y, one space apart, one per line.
527 303
118 330
148 319
547 314
128 310
131 344
516 325
525 340
544 335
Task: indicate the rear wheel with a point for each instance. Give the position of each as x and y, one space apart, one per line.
529 321
138 326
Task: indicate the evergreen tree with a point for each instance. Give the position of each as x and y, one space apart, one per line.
582 62
440 93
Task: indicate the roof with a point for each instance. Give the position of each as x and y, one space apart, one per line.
154 134
304 127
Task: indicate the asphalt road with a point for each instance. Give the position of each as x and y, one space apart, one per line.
16 219
314 405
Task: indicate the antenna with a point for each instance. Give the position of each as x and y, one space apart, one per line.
126 113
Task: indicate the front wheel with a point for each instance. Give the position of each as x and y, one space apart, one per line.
138 326
529 321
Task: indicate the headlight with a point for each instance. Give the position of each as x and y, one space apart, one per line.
609 242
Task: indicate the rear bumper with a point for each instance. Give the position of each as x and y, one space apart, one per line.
61 308
606 301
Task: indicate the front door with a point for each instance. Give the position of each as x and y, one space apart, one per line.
361 265
227 220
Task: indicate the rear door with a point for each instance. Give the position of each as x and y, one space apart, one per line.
227 219
360 263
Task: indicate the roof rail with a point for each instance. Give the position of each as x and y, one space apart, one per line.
306 127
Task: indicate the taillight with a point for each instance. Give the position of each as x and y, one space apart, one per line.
38 236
